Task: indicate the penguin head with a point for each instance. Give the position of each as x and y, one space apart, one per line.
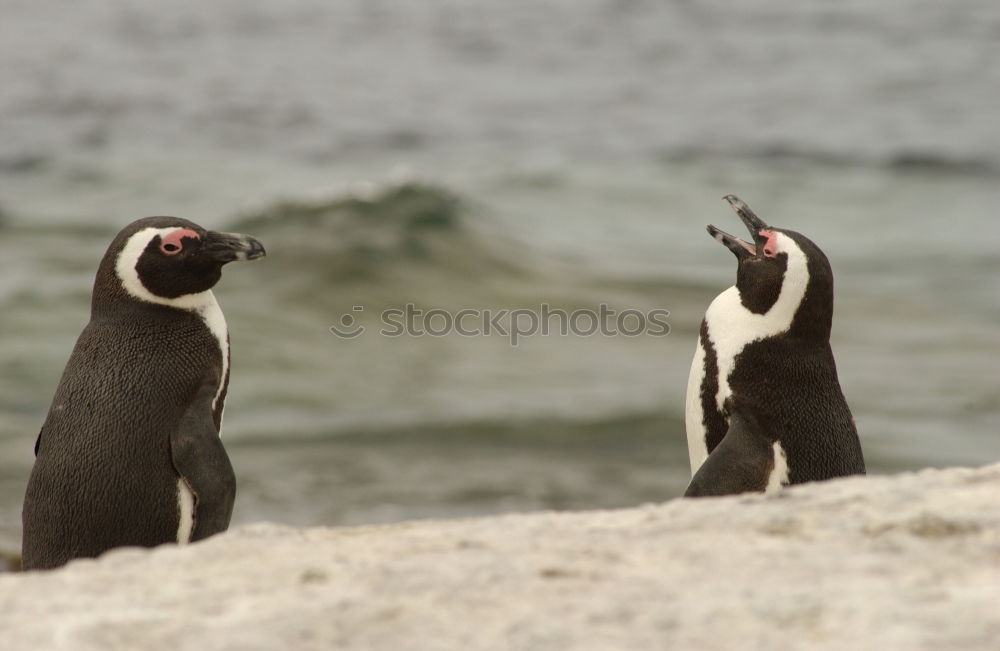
168 261
778 261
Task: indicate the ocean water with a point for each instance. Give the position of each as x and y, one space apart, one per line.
566 153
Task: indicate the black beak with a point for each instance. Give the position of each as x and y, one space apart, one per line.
754 224
230 247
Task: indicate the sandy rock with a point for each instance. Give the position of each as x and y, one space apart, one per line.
905 562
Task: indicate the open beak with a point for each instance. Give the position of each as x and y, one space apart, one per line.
231 247
754 224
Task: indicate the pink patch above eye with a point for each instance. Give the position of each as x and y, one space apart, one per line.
172 244
771 245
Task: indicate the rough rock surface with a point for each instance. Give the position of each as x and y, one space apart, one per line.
905 562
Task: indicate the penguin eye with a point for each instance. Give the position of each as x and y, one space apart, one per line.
770 248
173 243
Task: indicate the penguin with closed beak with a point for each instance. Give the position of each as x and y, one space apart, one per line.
766 343
130 453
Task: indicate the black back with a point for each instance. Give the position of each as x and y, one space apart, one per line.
792 379
103 475
794 382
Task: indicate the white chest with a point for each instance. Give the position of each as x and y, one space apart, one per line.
693 414
779 471
215 321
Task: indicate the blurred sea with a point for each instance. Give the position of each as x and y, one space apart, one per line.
470 154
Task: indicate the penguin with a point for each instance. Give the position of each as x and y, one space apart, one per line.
746 460
767 340
130 454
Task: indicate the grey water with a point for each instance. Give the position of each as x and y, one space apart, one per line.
587 144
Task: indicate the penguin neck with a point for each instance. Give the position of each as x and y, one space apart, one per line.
729 318
129 306
120 295
813 319
115 295
730 326
123 305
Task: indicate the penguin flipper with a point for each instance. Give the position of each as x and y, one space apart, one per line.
200 459
742 462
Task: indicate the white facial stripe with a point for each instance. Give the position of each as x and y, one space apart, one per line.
201 303
779 474
127 273
731 326
185 512
694 418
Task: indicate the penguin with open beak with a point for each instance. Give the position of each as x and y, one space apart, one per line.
764 373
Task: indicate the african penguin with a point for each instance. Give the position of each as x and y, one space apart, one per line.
767 340
130 451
